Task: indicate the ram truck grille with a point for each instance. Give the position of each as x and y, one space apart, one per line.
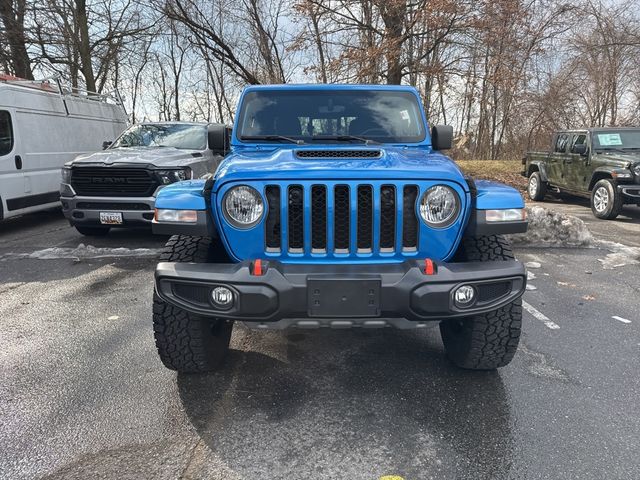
341 219
113 182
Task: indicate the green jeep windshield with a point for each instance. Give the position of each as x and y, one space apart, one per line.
177 135
331 116
616 139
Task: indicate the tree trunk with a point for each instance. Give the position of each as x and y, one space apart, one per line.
84 45
12 16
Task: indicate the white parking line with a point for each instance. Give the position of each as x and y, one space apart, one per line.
623 320
540 316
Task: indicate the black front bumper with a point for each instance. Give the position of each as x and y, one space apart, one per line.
311 291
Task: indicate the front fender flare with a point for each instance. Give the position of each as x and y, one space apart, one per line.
494 196
542 168
186 195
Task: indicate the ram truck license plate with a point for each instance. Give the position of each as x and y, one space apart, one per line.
343 298
111 218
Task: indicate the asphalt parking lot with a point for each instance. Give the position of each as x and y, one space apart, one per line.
83 394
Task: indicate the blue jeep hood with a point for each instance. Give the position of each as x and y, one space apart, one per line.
284 164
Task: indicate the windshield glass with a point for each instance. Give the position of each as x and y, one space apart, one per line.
191 137
331 116
616 139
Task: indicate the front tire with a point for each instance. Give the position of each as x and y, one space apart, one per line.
490 340
536 189
606 201
93 231
186 342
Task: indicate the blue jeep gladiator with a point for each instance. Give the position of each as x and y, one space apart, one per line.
335 208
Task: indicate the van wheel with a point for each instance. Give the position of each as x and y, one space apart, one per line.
93 231
606 201
536 189
187 342
486 341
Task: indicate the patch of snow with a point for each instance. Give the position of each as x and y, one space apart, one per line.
533 264
531 287
620 256
548 228
531 275
83 251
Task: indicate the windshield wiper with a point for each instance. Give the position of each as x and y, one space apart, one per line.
345 138
610 149
272 137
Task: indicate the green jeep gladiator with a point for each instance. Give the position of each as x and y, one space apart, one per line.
602 164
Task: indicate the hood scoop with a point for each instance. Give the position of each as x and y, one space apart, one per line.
351 153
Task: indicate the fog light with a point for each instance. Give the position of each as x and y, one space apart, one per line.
464 296
222 297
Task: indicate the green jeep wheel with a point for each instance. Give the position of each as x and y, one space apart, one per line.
486 341
187 342
606 201
536 189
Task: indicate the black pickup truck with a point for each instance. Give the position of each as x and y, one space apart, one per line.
602 164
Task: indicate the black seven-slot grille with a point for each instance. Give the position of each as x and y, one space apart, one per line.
374 215
113 181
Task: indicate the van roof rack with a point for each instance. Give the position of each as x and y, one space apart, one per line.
55 85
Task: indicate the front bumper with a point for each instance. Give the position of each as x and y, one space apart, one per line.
339 295
80 210
630 190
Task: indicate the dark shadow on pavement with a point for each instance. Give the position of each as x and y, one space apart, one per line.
350 404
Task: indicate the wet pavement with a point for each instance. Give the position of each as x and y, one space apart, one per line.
83 394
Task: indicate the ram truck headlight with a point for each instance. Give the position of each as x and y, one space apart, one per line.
506 215
439 206
243 206
66 174
172 176
167 215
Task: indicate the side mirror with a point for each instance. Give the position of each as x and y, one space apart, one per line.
441 137
219 136
106 144
580 149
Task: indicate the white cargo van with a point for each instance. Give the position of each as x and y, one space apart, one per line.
42 126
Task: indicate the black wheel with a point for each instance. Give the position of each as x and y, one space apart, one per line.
490 340
187 342
606 201
93 231
536 189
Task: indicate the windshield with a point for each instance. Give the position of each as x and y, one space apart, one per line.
191 137
616 140
331 116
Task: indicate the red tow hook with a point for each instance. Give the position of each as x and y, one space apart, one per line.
429 267
258 271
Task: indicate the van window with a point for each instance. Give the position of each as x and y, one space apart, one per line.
6 133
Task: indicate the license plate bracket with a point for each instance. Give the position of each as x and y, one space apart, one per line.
111 218
337 298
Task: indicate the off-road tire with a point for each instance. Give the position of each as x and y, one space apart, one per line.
93 231
187 342
490 340
614 203
536 188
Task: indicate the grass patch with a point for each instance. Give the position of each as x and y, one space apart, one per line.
503 171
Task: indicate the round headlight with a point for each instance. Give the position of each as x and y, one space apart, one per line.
636 169
243 206
439 206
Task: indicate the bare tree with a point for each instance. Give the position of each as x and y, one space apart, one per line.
12 19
